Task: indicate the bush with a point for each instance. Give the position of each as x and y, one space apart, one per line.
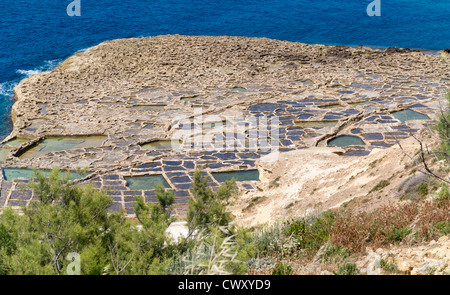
333 253
67 218
443 129
347 269
389 266
422 189
211 228
272 240
311 234
212 253
208 208
443 227
396 235
382 184
281 269
443 196
386 225
432 214
246 249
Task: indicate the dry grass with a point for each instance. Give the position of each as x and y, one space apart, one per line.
407 222
430 215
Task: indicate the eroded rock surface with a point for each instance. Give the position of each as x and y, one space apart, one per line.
135 91
428 259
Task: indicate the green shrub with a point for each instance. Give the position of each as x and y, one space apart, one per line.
443 227
311 234
389 266
347 269
212 253
281 269
208 208
396 235
254 201
422 189
67 218
334 253
275 182
443 129
443 196
382 184
272 240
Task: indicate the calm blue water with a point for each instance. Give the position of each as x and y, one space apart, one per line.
37 35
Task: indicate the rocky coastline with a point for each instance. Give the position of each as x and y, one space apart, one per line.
130 93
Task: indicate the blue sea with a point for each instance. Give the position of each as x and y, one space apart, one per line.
36 36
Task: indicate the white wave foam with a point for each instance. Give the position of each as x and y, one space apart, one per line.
52 64
6 88
28 72
84 49
47 66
